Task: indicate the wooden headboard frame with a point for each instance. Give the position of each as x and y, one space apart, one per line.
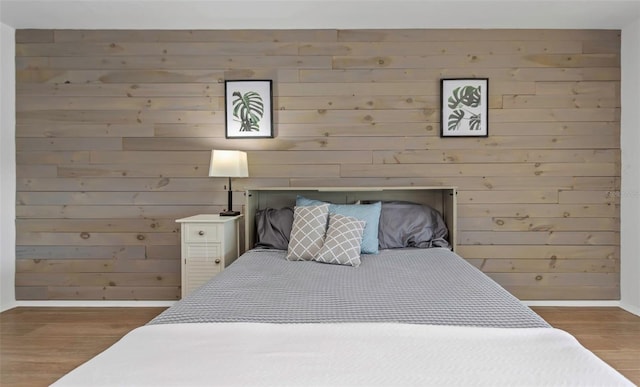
442 199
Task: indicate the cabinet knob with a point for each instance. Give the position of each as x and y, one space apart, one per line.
217 260
201 233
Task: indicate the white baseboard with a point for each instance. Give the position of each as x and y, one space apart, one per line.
630 308
576 303
94 303
143 304
140 304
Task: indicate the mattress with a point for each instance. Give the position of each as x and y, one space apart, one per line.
411 286
410 317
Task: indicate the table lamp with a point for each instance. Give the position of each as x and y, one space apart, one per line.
228 163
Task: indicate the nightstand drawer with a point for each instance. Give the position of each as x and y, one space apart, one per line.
201 232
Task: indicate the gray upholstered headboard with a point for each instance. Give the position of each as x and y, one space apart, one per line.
442 199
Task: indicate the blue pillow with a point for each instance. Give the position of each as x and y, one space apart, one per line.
370 213
301 201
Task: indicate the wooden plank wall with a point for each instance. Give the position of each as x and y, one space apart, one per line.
114 130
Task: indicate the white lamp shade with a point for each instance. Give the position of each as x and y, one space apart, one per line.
228 163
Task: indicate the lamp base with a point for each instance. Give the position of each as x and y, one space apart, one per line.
229 213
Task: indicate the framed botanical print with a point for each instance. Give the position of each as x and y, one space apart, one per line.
464 109
248 109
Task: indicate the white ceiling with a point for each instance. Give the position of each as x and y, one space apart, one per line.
300 14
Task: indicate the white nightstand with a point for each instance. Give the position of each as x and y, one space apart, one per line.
209 244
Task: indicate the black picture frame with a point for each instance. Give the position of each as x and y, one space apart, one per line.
464 107
248 108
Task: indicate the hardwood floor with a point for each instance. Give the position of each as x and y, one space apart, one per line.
611 333
39 345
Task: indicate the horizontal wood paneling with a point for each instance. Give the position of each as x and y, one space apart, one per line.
114 132
98 266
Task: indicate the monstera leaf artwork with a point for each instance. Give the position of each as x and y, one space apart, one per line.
464 107
248 109
462 98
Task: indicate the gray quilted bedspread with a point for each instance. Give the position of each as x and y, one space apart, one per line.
416 286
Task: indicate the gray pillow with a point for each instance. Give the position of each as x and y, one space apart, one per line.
404 224
342 243
307 233
273 228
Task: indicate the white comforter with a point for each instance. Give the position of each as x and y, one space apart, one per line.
350 354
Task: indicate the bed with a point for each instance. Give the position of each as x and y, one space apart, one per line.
410 313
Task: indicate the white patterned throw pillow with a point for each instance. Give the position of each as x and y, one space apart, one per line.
343 240
307 232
